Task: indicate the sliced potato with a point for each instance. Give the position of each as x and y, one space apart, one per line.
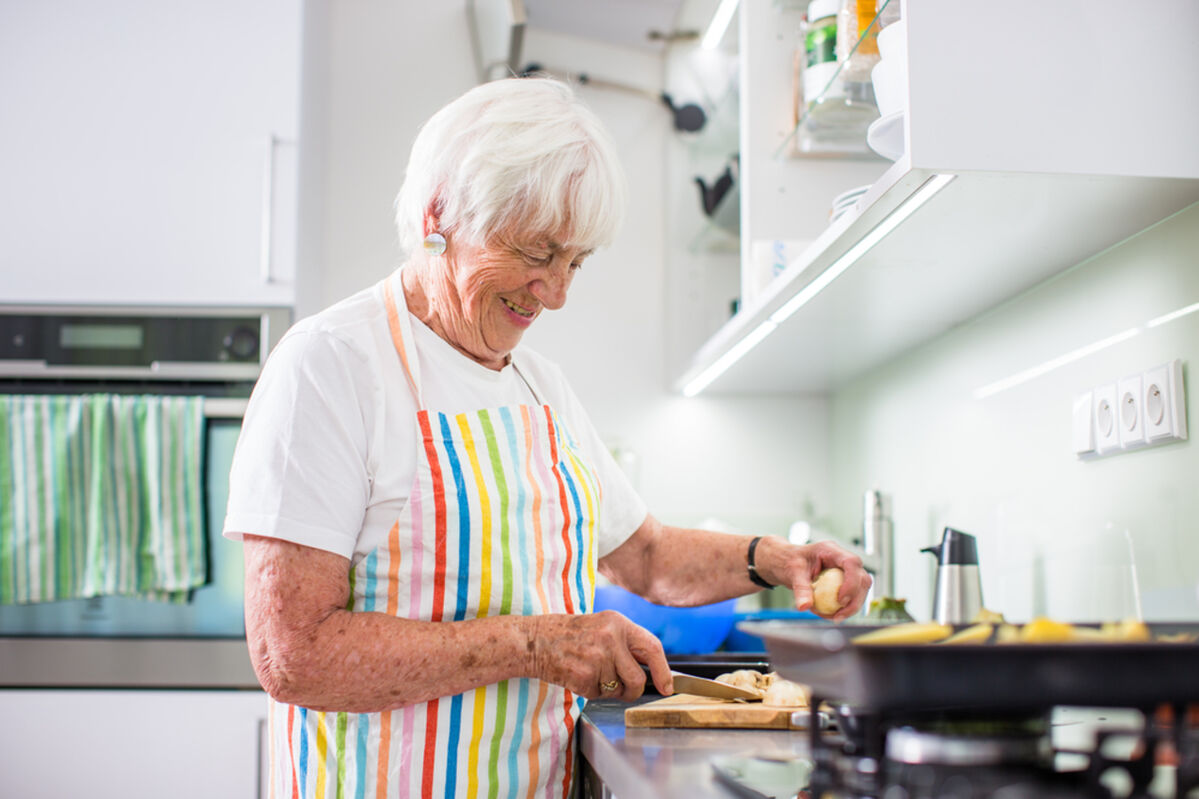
1046 631
786 693
1007 634
1127 630
825 588
985 616
917 632
977 634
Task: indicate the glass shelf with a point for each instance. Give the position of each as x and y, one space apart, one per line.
833 124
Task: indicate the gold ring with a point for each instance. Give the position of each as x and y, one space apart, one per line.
610 686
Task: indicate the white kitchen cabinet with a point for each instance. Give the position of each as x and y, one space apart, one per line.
1034 141
149 151
121 744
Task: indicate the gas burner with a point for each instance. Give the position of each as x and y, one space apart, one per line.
972 743
941 756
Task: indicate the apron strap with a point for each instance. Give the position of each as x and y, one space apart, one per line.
401 333
529 381
401 336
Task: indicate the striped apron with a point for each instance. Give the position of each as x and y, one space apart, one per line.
501 519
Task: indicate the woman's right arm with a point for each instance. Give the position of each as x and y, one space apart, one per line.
308 649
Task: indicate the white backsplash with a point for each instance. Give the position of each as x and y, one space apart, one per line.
1055 532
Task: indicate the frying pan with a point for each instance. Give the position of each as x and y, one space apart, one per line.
982 677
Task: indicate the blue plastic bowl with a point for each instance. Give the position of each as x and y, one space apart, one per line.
739 641
689 631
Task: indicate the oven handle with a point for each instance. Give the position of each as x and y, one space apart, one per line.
158 370
224 407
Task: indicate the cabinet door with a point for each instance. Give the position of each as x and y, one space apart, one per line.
119 744
148 150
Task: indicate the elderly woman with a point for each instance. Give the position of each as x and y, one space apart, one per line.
424 505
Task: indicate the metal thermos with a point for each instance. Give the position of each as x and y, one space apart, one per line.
959 594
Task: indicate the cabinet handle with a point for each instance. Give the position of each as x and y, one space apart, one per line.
266 246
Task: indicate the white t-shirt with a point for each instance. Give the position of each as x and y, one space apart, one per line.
328 449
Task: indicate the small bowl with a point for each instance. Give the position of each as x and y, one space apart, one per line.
893 41
890 87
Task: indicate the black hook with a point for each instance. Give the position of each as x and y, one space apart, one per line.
689 117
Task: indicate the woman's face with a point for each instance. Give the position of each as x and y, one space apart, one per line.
490 295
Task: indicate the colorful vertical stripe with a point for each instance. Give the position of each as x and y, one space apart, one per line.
501 519
101 495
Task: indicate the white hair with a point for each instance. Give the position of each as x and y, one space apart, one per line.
513 155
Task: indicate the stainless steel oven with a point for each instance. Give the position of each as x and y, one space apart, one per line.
105 641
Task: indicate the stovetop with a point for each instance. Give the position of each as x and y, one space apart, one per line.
948 756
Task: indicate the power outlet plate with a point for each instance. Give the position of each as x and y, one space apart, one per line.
1135 411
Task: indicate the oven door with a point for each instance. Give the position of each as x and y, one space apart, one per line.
123 641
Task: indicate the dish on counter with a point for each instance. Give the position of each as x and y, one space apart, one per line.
886 136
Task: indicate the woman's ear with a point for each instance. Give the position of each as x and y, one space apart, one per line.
432 218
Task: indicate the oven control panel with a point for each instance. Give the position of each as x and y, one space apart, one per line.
157 342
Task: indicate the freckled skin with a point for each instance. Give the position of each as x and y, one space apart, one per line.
460 295
308 650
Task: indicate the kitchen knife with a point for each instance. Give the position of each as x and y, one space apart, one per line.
698 686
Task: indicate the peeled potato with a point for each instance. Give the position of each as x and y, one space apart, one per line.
825 589
977 634
916 632
742 678
1046 631
785 693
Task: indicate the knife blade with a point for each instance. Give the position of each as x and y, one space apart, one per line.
698 686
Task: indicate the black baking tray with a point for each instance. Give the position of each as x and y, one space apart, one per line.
982 677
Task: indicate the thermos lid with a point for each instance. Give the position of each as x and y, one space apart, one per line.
956 549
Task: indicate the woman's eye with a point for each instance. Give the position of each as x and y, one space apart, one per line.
576 265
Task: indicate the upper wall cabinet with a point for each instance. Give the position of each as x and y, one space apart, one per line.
149 151
1035 135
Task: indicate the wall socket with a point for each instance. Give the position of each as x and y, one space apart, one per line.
1136 411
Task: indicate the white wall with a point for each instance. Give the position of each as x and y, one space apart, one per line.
750 462
1051 527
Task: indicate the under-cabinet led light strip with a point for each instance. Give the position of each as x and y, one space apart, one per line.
719 24
909 206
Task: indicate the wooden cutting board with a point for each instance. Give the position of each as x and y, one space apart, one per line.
685 710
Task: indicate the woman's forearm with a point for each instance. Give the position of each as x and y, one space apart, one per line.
681 567
367 662
308 649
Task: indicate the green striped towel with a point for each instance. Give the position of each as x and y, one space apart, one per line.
101 494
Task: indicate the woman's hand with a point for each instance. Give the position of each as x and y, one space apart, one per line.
795 567
597 655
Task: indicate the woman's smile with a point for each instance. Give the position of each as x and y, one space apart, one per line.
523 313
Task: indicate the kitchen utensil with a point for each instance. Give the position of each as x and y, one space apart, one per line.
959 593
698 686
978 677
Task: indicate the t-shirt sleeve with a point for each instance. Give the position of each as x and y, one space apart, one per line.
300 470
622 509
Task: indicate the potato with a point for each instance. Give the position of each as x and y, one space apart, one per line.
825 589
785 693
978 634
917 632
1046 631
748 679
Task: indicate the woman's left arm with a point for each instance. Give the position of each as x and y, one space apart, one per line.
675 566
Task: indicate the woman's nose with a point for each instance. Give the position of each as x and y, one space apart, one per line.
551 286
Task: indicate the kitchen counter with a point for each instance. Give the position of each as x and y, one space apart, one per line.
663 762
